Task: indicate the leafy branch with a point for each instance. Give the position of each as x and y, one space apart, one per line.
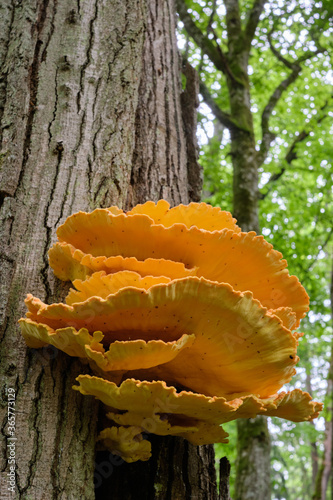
323 246
267 135
212 50
211 19
291 154
224 118
253 21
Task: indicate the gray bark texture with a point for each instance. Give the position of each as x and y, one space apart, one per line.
253 448
90 116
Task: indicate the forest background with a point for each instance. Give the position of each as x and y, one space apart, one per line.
289 80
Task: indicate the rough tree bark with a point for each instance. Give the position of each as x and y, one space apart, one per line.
90 116
253 448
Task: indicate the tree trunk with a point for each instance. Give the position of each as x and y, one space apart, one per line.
253 442
245 181
90 116
253 448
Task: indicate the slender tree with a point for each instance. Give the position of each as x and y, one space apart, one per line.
91 115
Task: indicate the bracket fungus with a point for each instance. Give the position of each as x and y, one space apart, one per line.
186 322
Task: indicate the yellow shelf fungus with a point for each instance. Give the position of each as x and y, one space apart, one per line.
188 322
157 408
126 442
69 264
120 356
215 255
237 345
200 215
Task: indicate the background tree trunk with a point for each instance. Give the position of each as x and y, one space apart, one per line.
253 441
253 447
90 116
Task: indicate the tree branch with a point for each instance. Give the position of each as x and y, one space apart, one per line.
207 46
268 136
277 54
295 66
291 64
253 21
233 19
289 158
211 18
292 153
223 117
325 243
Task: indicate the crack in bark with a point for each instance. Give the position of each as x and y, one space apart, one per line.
101 184
55 106
3 195
7 258
52 24
3 80
118 186
56 488
36 448
65 197
33 78
44 270
94 148
10 229
89 173
88 56
81 134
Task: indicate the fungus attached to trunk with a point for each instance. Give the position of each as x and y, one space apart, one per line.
186 322
244 260
158 408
